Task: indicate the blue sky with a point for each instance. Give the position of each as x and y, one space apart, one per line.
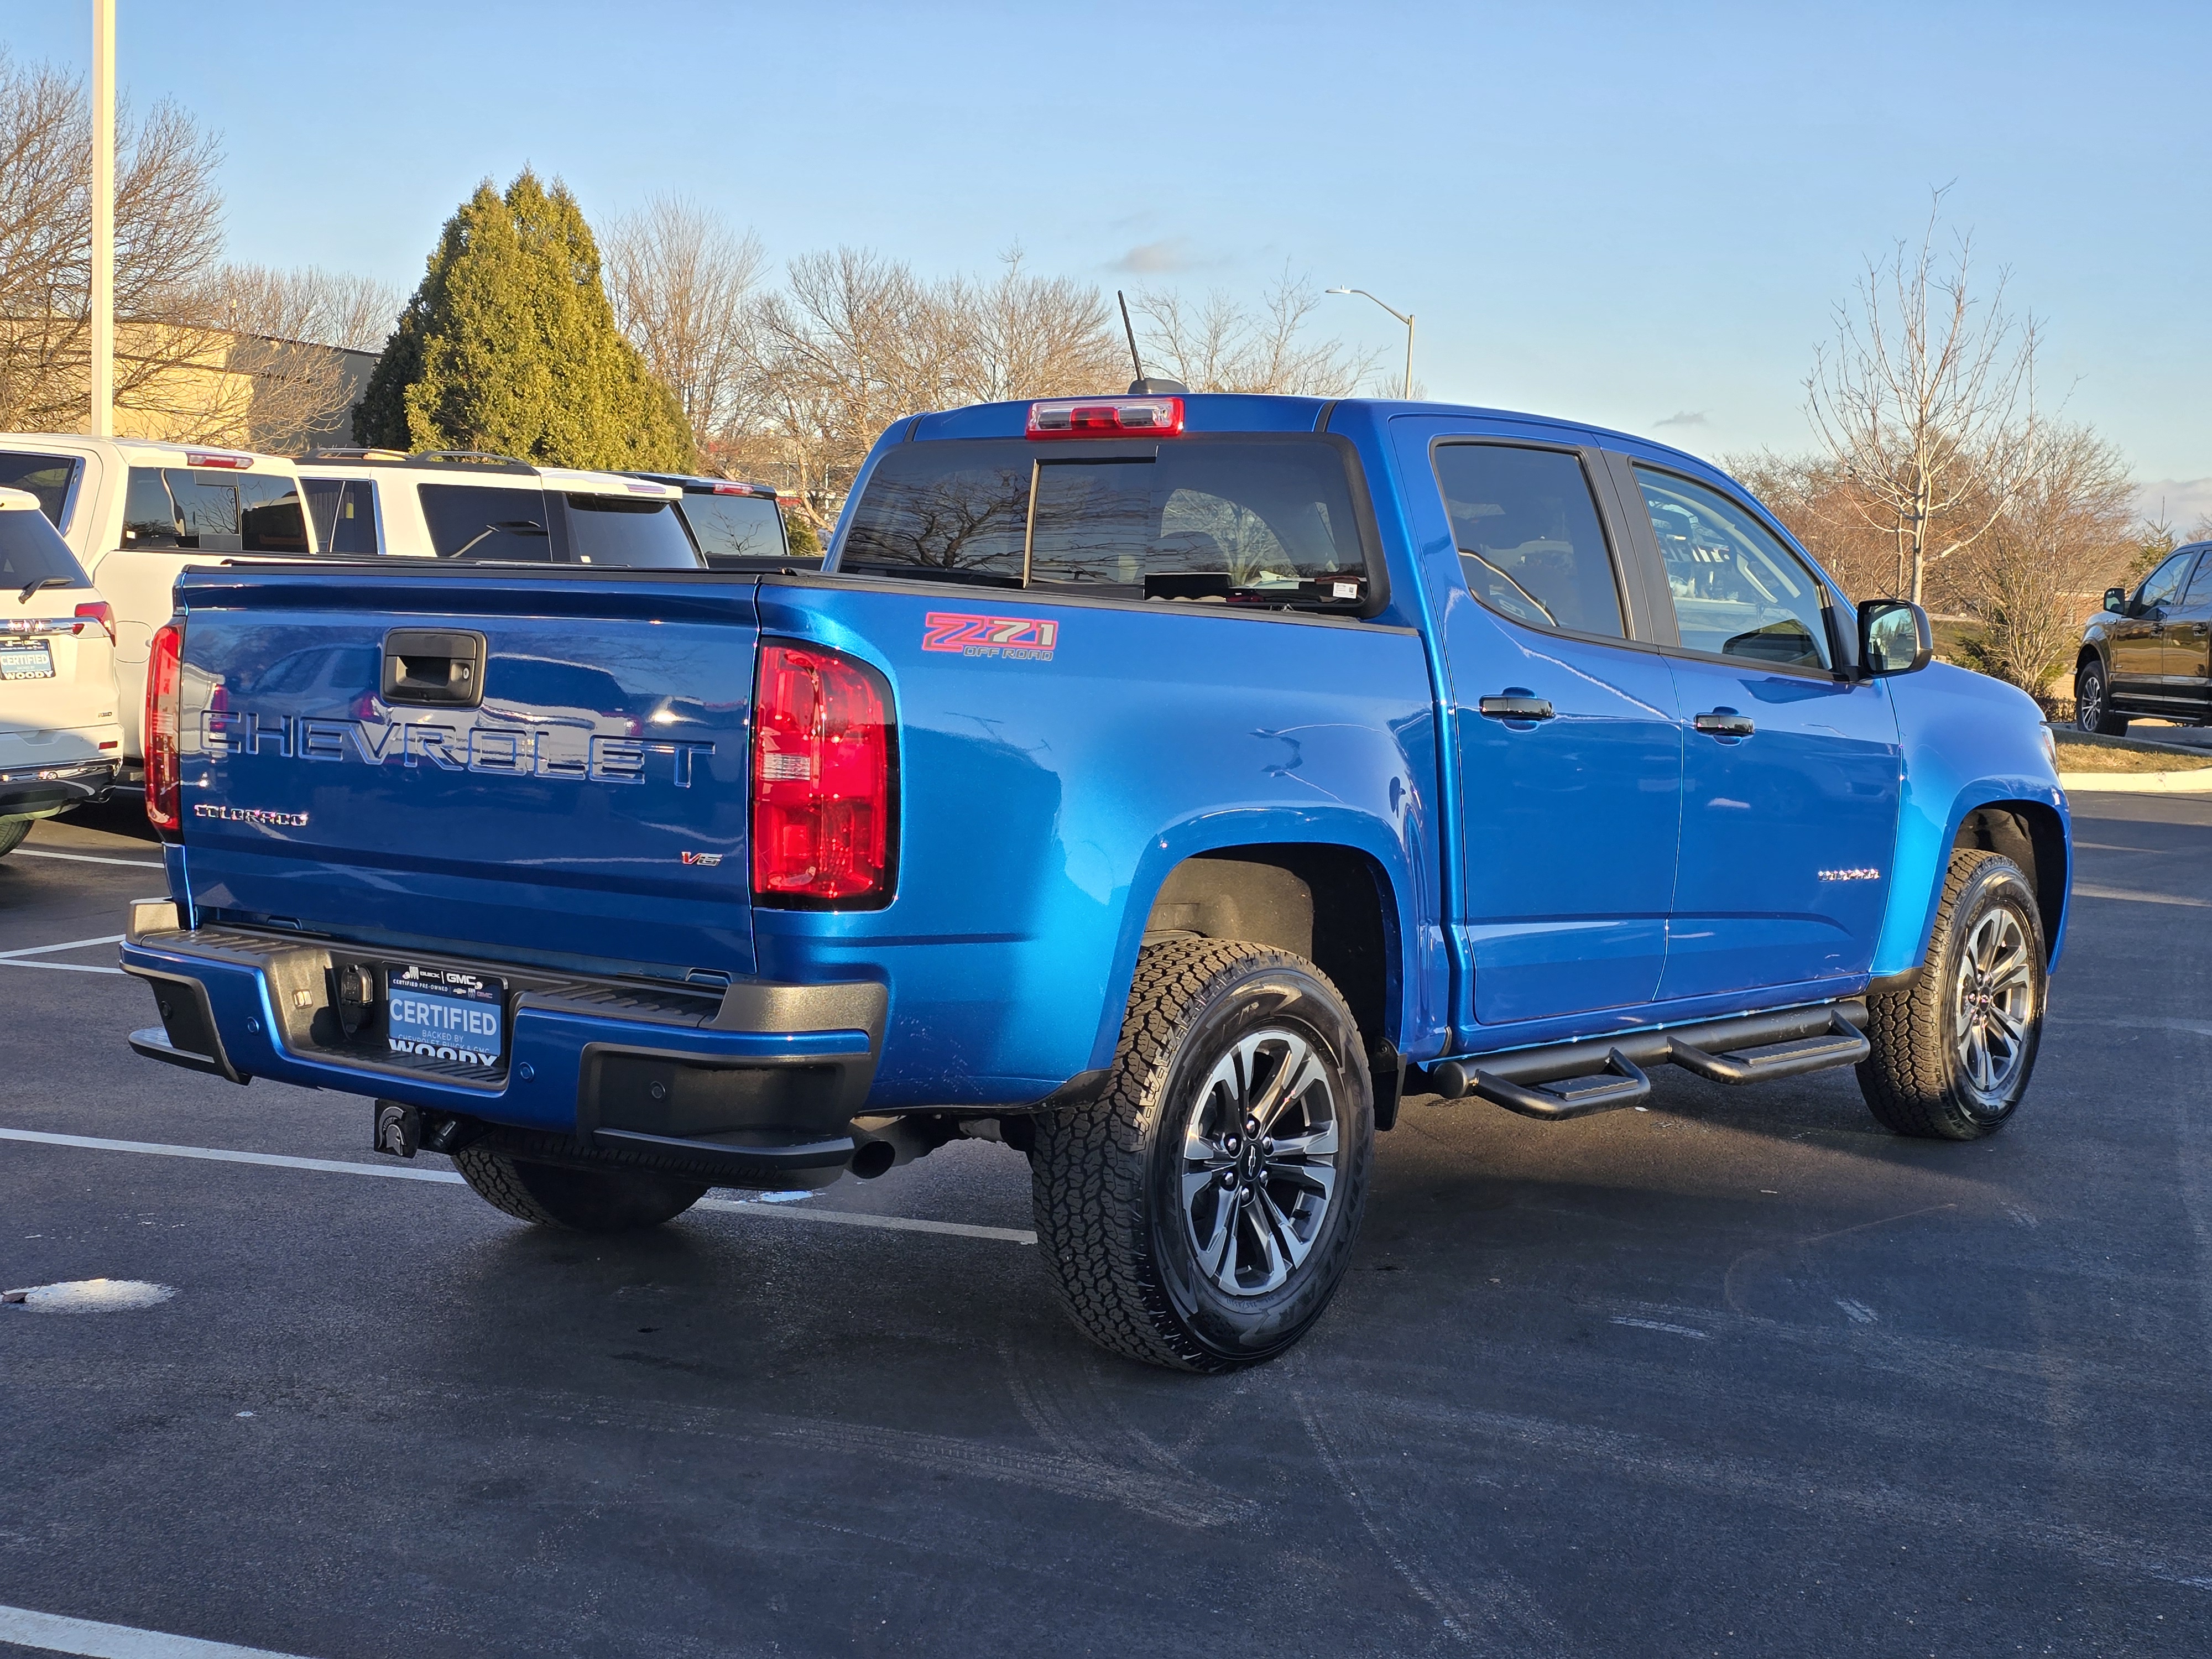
1638 214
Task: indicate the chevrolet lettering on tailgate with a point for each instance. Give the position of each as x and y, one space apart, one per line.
537 751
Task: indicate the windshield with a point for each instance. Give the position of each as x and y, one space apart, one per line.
735 527
47 477
621 529
32 551
1241 520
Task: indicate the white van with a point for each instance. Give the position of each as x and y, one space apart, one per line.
134 512
459 505
59 740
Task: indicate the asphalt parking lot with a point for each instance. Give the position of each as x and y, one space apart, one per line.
1741 1374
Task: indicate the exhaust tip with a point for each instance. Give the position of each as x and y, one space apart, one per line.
871 1158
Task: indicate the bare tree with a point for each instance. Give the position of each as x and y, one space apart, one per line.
272 332
1029 336
168 244
682 285
1926 399
2062 535
1220 345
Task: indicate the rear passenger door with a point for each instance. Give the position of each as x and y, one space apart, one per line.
1790 767
2185 647
1570 752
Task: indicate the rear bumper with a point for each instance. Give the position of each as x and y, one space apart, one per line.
29 789
754 1083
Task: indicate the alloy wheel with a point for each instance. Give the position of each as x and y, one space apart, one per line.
1996 1003
1259 1162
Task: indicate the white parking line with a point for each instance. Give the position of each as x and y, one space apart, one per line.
66 945
50 1632
749 1207
19 959
85 858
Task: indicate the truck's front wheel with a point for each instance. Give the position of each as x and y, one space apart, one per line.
583 1200
1201 1212
1953 1053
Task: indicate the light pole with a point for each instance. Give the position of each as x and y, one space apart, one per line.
1405 317
103 219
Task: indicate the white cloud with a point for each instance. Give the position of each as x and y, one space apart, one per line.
1158 258
2182 503
1683 418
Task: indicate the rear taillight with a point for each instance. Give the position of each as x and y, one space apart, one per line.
824 777
100 612
164 679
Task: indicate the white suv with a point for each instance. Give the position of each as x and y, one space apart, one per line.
134 512
59 741
455 505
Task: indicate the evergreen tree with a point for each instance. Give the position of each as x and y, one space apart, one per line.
509 346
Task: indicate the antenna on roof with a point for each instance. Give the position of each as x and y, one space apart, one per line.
1141 387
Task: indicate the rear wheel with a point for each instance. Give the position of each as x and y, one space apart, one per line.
1201 1214
12 831
1953 1053
2092 700
583 1200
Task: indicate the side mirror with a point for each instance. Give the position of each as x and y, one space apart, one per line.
1894 637
2116 601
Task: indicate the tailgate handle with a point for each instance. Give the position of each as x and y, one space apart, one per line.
433 667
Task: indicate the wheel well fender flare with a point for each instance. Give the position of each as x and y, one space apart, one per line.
2026 821
1292 885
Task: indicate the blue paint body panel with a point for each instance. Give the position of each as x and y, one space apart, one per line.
1600 872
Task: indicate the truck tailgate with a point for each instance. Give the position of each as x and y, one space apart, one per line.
589 801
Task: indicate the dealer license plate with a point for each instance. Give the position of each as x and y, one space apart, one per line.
444 1017
34 661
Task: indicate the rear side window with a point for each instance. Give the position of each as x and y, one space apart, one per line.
186 510
344 514
1738 591
621 529
50 477
474 522
1240 521
1528 535
32 551
735 526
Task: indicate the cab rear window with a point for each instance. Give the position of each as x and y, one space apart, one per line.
1244 521
190 510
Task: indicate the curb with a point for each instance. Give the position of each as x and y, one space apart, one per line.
2197 781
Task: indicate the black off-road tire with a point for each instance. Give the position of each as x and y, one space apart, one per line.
582 1201
1915 1082
12 831
1111 1212
2093 696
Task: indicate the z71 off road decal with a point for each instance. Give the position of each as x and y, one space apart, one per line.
1023 639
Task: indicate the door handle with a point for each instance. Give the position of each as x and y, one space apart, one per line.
1724 723
1515 709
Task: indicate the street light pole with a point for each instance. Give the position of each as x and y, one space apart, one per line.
1405 317
103 218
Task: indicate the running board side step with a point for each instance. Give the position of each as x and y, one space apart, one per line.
1621 1083
1604 1074
1842 1044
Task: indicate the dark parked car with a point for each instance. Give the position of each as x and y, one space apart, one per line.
737 527
2149 653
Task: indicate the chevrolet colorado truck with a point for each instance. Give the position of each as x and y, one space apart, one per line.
1162 786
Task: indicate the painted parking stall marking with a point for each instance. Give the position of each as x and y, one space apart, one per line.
397 1171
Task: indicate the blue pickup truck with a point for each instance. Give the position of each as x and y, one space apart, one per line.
1162 786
